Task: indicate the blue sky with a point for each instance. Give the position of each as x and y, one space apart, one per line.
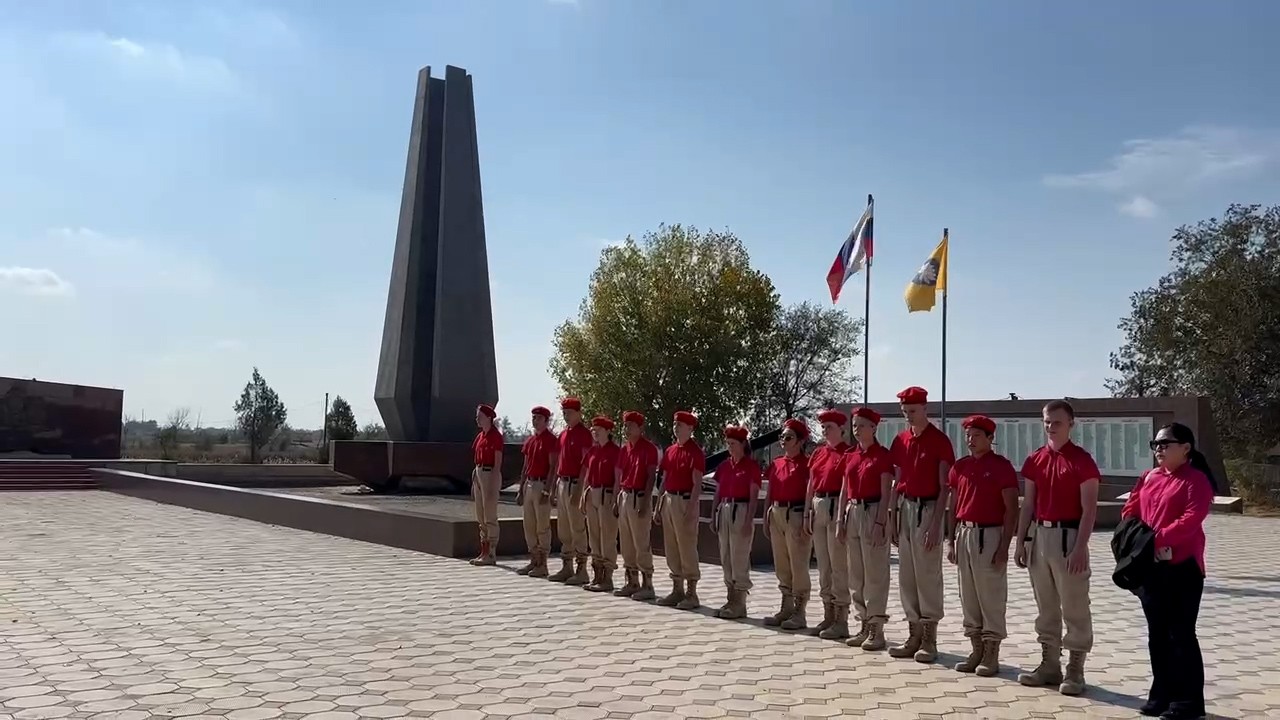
189 190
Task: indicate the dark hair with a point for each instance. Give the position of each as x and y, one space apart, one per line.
1062 405
1196 459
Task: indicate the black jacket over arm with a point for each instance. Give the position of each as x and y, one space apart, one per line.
1134 546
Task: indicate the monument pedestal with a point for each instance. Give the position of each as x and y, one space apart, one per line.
383 464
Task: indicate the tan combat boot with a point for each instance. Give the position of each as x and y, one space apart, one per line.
828 617
875 636
690 600
1073 680
484 551
972 662
527 567
785 611
839 628
990 665
736 608
1048 672
675 596
539 567
565 571
728 601
646 588
579 577
797 621
629 587
861 636
596 569
606 580
908 648
928 651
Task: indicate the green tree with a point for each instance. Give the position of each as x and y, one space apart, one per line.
373 431
1211 327
259 415
168 437
340 423
810 364
677 320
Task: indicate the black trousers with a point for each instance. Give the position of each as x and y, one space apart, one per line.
1171 601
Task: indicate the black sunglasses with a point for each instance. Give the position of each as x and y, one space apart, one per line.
1162 443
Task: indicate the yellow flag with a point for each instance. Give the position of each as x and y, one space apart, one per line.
931 278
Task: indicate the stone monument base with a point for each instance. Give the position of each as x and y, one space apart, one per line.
392 466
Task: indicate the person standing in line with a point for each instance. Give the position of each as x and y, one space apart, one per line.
571 522
984 518
737 493
822 516
537 481
788 478
683 465
1059 510
867 470
486 482
923 456
637 471
1173 499
598 503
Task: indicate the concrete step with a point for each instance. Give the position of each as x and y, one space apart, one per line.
47 486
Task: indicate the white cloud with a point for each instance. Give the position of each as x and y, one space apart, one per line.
39 282
1149 171
157 61
133 265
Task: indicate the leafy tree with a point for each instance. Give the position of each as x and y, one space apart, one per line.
259 415
505 427
810 363
677 320
373 431
1212 327
340 424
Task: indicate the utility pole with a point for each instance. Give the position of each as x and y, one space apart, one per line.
324 431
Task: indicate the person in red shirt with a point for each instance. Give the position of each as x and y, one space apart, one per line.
571 523
983 518
737 491
683 465
1060 507
1173 499
601 479
867 470
537 479
788 481
923 456
637 470
822 516
486 482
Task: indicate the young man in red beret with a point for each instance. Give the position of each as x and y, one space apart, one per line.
923 456
683 465
537 480
737 492
984 517
1059 511
637 471
486 482
600 466
571 522
868 483
788 482
822 519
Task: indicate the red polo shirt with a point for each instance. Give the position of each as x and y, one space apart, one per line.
537 451
574 443
738 479
601 461
1058 475
862 470
824 468
919 456
637 460
979 484
682 466
788 479
486 446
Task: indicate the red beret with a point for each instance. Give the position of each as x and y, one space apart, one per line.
539 410
914 396
631 416
736 432
571 403
982 422
833 416
867 413
797 426
486 410
686 417
603 422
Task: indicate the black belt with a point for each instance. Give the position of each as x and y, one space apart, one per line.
484 468
634 493
865 501
968 524
568 478
682 495
734 504
920 503
1064 526
794 505
603 488
827 494
982 531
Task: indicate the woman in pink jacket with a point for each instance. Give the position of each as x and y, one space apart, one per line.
1173 499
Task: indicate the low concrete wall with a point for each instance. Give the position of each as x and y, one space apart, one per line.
260 476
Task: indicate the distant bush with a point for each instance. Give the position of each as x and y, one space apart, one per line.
1255 483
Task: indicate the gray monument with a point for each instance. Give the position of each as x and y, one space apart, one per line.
437 360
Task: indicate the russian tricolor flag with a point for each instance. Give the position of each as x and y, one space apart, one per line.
853 256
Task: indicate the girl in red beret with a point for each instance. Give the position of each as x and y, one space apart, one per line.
867 472
537 482
788 480
486 481
737 490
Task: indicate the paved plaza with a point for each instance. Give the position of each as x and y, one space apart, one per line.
114 607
